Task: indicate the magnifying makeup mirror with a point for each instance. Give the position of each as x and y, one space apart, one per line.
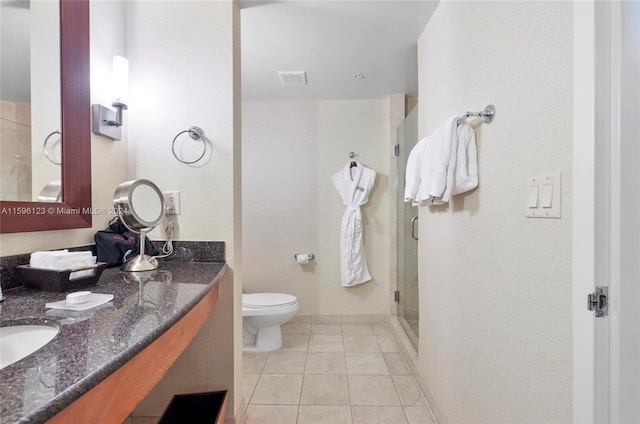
140 205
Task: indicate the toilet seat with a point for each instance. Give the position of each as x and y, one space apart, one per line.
267 300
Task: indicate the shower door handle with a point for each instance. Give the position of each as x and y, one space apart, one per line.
413 228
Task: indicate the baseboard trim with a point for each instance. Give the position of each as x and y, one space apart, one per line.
410 356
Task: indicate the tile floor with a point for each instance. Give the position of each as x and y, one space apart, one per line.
332 374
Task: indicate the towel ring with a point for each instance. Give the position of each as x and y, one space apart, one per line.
195 133
44 148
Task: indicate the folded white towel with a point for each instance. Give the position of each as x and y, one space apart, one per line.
45 260
60 260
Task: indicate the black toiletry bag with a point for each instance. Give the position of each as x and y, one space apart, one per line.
113 244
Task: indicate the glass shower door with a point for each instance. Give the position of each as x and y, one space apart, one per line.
408 222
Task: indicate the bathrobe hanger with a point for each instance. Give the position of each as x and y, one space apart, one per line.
353 163
352 156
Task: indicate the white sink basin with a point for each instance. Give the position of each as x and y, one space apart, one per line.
20 341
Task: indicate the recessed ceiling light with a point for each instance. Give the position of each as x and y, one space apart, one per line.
359 76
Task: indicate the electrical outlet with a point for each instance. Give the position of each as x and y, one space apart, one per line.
172 202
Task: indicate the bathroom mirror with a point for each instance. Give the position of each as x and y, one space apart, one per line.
30 96
140 206
74 211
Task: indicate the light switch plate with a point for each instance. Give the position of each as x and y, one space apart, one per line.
542 209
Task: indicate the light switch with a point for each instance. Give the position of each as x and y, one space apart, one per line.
544 196
533 196
547 195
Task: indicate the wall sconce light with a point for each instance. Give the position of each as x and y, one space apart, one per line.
105 121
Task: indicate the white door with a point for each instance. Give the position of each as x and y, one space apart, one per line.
588 396
607 210
625 219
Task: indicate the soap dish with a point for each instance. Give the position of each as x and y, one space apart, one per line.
93 300
58 281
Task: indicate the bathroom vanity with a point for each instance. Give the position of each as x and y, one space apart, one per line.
105 360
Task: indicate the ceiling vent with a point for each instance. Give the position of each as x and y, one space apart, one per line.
293 77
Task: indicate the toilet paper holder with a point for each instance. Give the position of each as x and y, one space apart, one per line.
310 256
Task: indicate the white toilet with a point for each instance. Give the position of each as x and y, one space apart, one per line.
262 316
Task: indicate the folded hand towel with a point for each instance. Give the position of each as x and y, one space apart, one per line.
63 259
45 260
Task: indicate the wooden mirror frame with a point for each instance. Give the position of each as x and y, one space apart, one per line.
75 209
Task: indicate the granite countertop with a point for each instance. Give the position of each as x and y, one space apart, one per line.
92 344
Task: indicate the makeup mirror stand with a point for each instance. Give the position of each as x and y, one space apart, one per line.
142 262
140 217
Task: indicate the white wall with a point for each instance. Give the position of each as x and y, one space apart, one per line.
181 74
184 71
108 158
290 151
495 300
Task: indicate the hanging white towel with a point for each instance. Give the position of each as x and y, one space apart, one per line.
354 185
433 159
413 172
439 164
442 164
466 175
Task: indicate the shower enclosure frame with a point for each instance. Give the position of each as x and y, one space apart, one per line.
405 244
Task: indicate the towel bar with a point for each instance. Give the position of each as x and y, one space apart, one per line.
487 114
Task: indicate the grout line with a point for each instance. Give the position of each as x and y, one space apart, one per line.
254 390
306 357
346 375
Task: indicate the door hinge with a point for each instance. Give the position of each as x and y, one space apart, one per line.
598 301
396 296
396 150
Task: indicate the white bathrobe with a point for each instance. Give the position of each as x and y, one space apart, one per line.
353 185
